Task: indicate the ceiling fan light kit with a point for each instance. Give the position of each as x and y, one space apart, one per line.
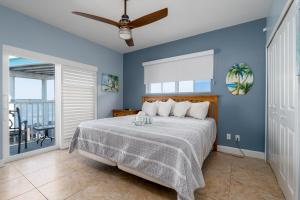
125 33
125 25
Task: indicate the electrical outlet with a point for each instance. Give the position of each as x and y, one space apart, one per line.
237 138
228 136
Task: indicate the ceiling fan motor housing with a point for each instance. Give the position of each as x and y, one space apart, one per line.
125 16
124 21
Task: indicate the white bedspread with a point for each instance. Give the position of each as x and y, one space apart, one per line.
171 149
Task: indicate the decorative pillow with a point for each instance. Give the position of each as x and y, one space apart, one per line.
150 108
172 102
181 108
141 113
164 108
198 110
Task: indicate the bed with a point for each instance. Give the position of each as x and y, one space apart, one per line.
169 152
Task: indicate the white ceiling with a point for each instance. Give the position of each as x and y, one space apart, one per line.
186 17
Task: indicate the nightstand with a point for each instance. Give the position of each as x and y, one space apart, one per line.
124 112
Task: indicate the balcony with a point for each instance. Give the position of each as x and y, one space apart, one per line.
31 105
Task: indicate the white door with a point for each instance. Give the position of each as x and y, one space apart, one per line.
283 100
78 100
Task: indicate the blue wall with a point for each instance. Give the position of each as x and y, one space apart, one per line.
276 9
242 115
24 32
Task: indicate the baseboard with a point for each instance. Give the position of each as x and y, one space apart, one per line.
1 163
236 151
30 154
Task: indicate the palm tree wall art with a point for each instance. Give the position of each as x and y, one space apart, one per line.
239 79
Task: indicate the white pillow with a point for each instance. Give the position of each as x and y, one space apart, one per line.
172 102
198 110
181 108
150 108
164 108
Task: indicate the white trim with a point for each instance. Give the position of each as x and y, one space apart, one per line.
182 57
96 98
236 151
58 110
30 154
5 113
297 170
1 163
298 147
46 58
279 20
266 105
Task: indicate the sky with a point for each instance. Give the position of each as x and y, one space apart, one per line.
29 88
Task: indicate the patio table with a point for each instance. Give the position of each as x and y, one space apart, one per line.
46 132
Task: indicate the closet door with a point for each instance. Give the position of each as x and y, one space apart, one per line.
78 100
283 100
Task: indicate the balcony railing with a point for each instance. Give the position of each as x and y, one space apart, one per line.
36 113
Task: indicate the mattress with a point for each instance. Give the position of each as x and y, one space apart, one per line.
170 151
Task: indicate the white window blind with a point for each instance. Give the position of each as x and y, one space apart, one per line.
79 93
195 66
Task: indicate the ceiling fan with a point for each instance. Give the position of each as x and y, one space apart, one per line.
125 25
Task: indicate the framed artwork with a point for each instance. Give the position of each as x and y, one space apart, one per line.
110 83
239 79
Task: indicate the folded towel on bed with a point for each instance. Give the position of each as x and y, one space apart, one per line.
142 119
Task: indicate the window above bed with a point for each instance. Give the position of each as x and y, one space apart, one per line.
198 86
181 74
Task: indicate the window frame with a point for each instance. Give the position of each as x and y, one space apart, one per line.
148 88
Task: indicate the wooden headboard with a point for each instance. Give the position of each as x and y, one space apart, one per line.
213 107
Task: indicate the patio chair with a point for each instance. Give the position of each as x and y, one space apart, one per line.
18 129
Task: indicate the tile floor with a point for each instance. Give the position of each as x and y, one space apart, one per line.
58 175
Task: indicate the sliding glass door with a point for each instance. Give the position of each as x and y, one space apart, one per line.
31 105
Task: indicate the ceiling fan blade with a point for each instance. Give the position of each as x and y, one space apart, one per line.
148 19
97 18
130 42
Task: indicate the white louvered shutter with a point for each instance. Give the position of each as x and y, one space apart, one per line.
79 93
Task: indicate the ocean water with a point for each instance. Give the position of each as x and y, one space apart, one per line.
231 85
